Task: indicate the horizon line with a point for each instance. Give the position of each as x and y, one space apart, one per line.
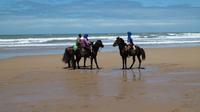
96 33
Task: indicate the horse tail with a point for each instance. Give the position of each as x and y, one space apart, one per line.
65 56
143 54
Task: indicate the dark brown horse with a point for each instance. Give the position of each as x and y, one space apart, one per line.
128 50
68 57
92 54
72 57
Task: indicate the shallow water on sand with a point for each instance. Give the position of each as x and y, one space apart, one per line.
94 88
92 83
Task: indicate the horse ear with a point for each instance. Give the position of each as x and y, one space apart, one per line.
122 40
99 41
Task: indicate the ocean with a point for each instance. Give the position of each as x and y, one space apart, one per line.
43 44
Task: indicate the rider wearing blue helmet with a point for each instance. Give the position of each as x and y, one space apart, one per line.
85 42
130 40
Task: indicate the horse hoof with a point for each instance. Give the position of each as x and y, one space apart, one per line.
65 67
141 68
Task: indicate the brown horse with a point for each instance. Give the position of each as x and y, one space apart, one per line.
128 50
68 57
72 57
92 54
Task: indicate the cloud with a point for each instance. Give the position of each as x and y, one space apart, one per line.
95 14
28 7
87 9
38 25
84 23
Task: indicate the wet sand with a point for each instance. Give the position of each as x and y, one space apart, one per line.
170 82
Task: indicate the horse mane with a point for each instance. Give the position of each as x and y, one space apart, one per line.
122 41
98 41
95 44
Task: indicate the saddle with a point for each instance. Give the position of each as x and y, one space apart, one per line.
130 49
85 51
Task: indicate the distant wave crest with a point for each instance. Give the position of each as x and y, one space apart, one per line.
108 39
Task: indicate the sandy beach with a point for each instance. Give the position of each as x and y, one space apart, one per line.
170 82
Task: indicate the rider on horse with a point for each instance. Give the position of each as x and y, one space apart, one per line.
130 40
82 43
78 42
130 46
85 43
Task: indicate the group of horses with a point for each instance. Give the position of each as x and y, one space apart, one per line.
73 57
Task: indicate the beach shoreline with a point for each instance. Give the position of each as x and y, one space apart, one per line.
169 83
45 44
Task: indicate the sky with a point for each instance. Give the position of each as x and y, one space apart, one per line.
98 16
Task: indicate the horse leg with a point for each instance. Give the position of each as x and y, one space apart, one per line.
95 60
125 60
78 60
132 62
73 62
122 62
84 61
91 62
138 56
69 64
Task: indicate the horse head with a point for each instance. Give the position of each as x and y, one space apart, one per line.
99 43
118 42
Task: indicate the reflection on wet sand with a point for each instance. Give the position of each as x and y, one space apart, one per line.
132 73
89 84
